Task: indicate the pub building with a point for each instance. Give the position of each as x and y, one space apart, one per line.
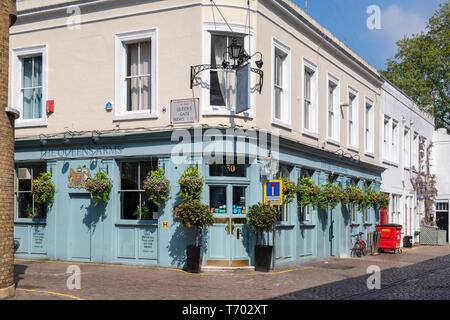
164 66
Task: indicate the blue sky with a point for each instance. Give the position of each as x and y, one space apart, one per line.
346 19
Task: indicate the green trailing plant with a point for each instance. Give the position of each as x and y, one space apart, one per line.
383 200
99 187
43 189
353 195
329 196
289 191
261 218
191 184
156 186
31 212
144 212
194 214
307 192
373 198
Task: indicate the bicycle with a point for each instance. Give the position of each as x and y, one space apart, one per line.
360 247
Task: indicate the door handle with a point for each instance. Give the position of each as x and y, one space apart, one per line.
228 227
238 232
232 227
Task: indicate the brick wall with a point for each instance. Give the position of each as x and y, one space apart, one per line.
7 7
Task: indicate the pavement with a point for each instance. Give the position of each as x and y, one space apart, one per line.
421 272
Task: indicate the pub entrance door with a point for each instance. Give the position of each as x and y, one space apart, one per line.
229 237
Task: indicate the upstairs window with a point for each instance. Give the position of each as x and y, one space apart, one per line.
138 78
395 139
28 85
369 127
222 82
309 97
353 119
281 84
406 147
333 106
135 87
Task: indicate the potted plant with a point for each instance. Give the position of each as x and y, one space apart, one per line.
194 214
156 186
261 218
99 187
289 191
43 189
143 213
31 212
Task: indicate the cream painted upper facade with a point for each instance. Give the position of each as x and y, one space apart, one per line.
81 67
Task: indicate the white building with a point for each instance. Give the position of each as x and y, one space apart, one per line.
402 125
441 168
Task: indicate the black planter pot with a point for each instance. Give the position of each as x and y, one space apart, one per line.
263 258
193 258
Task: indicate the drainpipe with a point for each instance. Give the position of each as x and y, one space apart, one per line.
8 16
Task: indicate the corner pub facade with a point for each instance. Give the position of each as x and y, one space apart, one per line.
97 85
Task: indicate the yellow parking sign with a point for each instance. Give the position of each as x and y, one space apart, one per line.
165 224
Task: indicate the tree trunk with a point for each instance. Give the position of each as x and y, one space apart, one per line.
7 17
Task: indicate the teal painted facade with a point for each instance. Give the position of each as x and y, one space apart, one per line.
76 230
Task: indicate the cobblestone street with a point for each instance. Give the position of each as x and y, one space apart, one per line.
417 273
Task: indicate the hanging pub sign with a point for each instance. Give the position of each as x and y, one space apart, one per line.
77 179
273 194
184 110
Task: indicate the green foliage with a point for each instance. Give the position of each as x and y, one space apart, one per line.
32 213
329 196
289 191
145 212
156 186
261 218
193 213
383 200
191 184
307 193
43 188
99 187
421 66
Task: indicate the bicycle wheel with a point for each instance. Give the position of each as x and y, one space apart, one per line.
363 248
357 251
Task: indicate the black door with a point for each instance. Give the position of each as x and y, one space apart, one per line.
442 221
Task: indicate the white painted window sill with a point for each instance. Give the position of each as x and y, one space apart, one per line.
354 149
282 124
310 134
333 142
30 123
369 154
135 116
225 112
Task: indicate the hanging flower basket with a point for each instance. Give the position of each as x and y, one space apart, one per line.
43 188
307 192
383 200
99 187
289 191
191 184
329 196
156 186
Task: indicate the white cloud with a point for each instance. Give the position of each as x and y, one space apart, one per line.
397 22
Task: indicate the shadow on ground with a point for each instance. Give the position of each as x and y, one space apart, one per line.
427 280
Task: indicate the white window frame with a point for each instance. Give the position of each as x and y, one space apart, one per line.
221 28
395 141
333 137
386 138
354 105
17 56
415 151
406 147
285 119
369 128
121 41
313 112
